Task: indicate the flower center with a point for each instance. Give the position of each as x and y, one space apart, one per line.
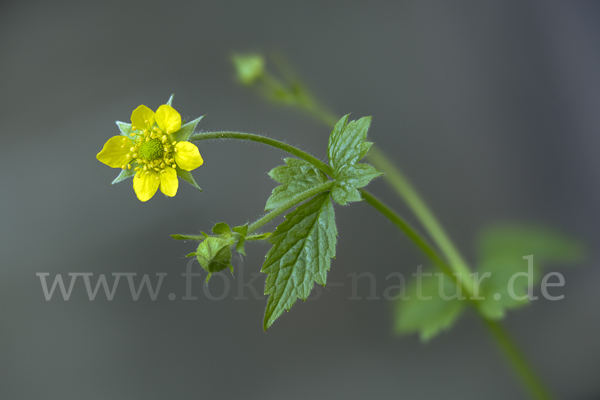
152 151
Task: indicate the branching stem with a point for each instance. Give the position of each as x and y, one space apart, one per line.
455 267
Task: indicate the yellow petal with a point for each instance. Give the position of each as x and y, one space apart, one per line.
187 156
145 185
169 182
113 154
142 118
168 119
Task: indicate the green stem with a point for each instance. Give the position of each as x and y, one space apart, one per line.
456 262
403 187
289 204
405 227
517 360
424 214
523 369
406 191
267 141
511 351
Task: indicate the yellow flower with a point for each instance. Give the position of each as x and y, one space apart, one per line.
154 148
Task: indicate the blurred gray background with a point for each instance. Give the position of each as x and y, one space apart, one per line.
491 107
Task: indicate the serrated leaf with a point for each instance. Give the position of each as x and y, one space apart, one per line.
184 133
124 174
303 246
188 177
502 248
349 179
425 311
347 144
296 176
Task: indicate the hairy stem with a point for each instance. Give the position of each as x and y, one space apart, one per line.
424 214
266 141
289 204
404 188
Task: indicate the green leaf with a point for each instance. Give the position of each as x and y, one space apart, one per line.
184 133
349 179
296 176
425 311
347 144
170 102
502 248
303 246
124 174
188 177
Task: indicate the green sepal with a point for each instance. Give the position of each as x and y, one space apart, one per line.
296 176
170 102
242 229
221 228
186 130
191 255
303 246
239 247
262 236
177 236
430 314
125 129
188 177
347 144
124 174
349 179
214 253
243 232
